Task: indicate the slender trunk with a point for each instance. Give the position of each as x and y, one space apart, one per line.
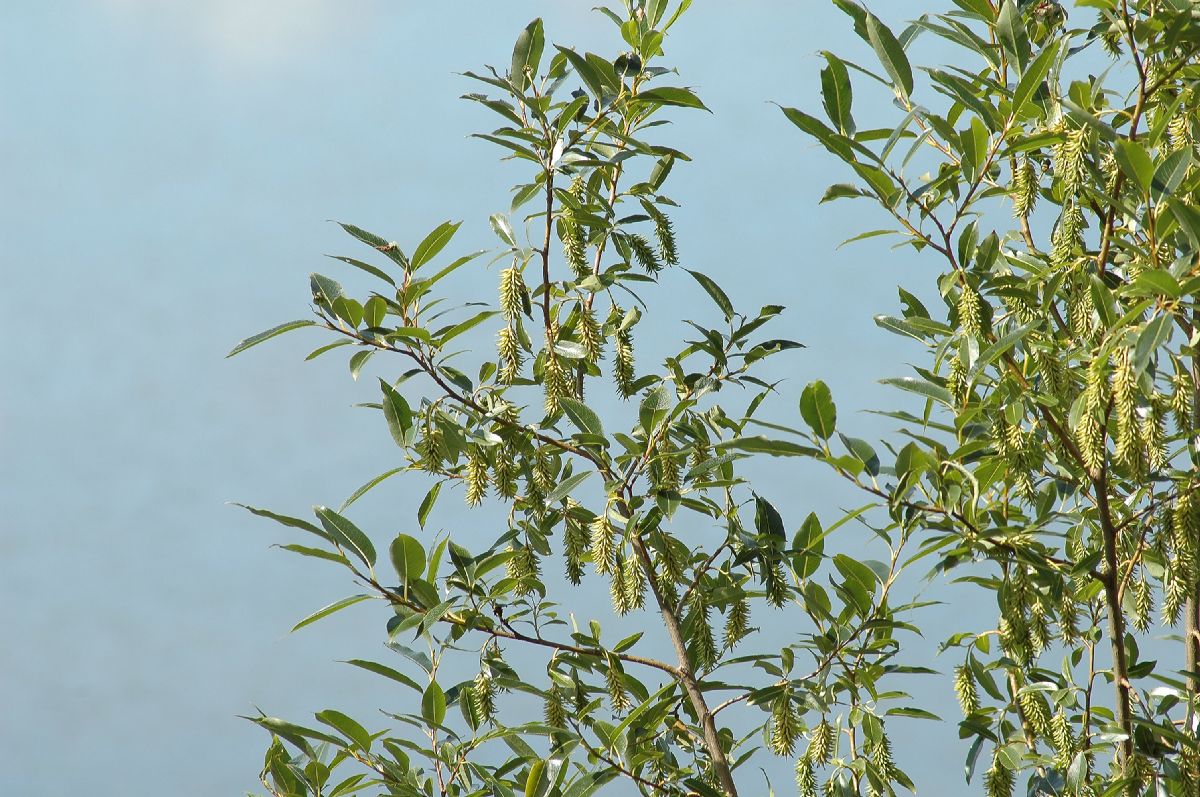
691 685
1116 632
1192 607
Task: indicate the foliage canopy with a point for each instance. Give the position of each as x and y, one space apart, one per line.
1050 457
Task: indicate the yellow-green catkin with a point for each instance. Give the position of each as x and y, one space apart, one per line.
574 237
1024 188
475 475
956 381
806 778
1183 391
628 586
1033 706
509 350
1152 433
615 681
556 378
1063 740
664 232
737 623
704 643
1185 528
785 725
575 549
602 548
513 293
591 334
879 753
524 568
820 743
643 253
1179 129
1067 238
1143 604
1127 450
431 446
965 690
504 472
554 709
969 311
483 696
999 780
1069 161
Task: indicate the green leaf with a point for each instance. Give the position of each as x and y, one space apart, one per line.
1170 174
503 229
1156 332
587 783
808 545
890 54
758 444
434 242
347 535
358 361
397 414
586 420
527 52
566 486
317 553
427 504
1154 283
433 704
837 95
1188 218
714 291
469 324
366 488
672 95
324 291
999 348
818 410
408 557
386 672
1135 162
346 726
1033 77
1010 28
587 72
325 611
920 387
254 340
374 312
285 520
367 267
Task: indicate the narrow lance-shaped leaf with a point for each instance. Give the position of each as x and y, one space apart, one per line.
890 53
254 340
434 242
527 53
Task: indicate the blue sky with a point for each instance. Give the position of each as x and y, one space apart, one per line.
169 168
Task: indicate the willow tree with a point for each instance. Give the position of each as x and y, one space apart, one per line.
1050 178
645 500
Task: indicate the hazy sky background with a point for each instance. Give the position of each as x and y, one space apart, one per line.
168 169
